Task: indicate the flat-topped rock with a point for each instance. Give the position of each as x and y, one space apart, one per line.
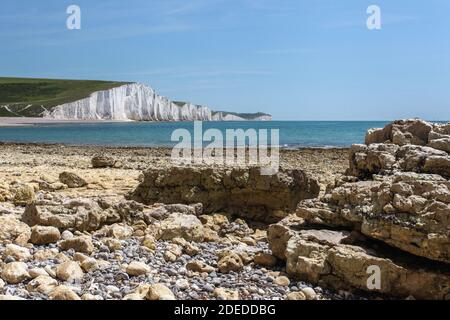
239 190
343 260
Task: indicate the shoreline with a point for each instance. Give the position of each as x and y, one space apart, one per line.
29 122
162 147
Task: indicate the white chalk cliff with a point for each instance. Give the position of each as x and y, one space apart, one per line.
140 103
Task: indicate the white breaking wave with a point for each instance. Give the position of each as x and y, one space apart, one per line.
136 102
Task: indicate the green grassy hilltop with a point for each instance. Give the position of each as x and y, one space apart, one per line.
29 97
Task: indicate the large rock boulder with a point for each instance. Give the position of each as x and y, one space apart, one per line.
239 190
401 132
389 158
343 260
391 211
409 211
78 214
414 132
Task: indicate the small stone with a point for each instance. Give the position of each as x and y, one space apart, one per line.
191 250
64 293
80 257
9 259
199 266
309 293
101 161
81 244
231 261
89 265
11 229
4 297
24 195
44 235
297 295
88 296
45 254
226 294
72 180
15 272
282 281
17 252
149 242
36 272
42 284
137 268
120 231
69 271
182 284
112 244
66 235
159 292
265 260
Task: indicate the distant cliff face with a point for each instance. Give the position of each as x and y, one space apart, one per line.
140 103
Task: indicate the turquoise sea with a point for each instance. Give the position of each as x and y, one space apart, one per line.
293 134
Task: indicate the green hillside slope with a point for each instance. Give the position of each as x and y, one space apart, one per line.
29 97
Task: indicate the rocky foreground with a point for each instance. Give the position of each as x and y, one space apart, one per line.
391 210
124 223
73 225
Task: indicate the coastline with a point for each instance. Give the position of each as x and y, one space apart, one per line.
24 121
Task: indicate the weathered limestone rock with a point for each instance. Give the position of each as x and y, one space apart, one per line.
243 191
69 271
81 244
404 145
396 217
389 158
72 180
178 225
42 284
137 268
199 266
440 144
100 161
409 211
89 265
339 260
44 235
24 195
226 294
401 132
90 215
77 214
15 272
159 292
296 295
17 252
63 293
265 259
11 229
230 261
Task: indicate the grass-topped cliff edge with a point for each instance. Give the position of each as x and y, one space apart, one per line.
30 97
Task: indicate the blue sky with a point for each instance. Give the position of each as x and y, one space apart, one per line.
295 59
